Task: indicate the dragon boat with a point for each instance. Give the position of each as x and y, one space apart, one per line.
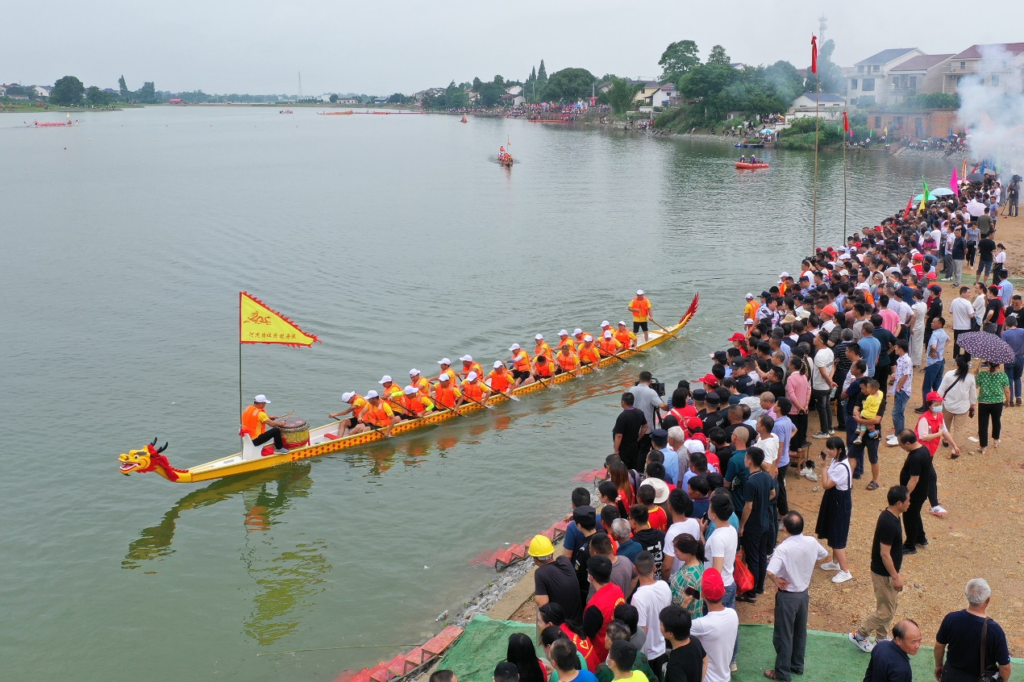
325 440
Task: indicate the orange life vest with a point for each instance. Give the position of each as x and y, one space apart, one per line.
473 367
251 423
422 385
641 309
473 390
567 341
609 346
544 369
522 361
445 396
567 362
379 415
543 349
580 341
589 354
499 381
391 391
624 336
416 404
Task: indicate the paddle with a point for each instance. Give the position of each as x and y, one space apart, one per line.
611 355
494 392
405 411
662 328
473 400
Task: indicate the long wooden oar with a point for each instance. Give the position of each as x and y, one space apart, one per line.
401 407
473 400
495 392
611 355
662 328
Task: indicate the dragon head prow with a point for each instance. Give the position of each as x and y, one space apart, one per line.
145 460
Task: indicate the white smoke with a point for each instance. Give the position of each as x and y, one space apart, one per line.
994 114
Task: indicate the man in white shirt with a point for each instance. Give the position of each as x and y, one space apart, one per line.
720 551
649 599
962 310
718 630
790 568
680 506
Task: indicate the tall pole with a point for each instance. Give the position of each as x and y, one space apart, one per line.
817 123
240 403
844 188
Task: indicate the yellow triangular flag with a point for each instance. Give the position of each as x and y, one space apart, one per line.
257 323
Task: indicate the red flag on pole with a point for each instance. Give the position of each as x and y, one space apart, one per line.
814 54
846 123
910 204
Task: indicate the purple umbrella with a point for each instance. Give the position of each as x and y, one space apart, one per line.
986 346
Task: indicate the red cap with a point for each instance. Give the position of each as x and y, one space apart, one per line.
694 424
829 309
934 396
711 584
708 380
737 337
919 256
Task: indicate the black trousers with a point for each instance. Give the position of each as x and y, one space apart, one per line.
986 411
790 632
274 434
957 350
782 497
819 399
882 376
755 549
912 524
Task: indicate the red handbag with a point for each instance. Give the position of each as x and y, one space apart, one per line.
742 574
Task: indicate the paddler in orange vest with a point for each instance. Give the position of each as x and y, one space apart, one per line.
624 336
640 306
606 326
608 345
446 368
445 394
566 360
542 367
564 340
377 415
542 347
589 354
389 389
501 153
414 403
472 389
580 337
255 421
420 382
520 365
356 405
499 379
469 366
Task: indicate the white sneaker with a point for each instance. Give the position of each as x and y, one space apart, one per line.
864 645
937 510
842 577
892 440
830 566
973 439
733 668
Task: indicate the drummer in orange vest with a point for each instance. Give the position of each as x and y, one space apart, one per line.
499 380
469 366
542 368
589 354
255 421
580 337
445 394
608 345
542 347
356 405
567 360
624 336
377 415
640 306
520 365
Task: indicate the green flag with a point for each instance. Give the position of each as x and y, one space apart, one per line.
924 197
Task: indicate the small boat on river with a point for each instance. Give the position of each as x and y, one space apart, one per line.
750 166
54 124
749 145
305 443
286 111
334 113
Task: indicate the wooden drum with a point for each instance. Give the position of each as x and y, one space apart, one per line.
295 434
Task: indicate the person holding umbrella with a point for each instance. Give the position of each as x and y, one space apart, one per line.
993 393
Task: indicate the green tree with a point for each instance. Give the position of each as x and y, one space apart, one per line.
477 84
498 80
455 97
542 74
718 56
67 91
123 87
533 74
621 96
709 84
97 97
568 85
334 99
147 93
490 94
678 59
830 75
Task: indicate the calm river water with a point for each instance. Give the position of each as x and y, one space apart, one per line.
398 240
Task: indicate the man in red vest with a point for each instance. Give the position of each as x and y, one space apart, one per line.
600 608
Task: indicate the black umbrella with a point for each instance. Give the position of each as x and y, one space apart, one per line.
986 346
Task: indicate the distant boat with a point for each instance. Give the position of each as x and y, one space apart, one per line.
53 124
750 166
286 111
334 113
747 145
464 120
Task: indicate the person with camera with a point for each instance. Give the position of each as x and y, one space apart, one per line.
972 644
648 398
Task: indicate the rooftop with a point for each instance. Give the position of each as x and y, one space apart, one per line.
886 56
922 62
974 51
824 97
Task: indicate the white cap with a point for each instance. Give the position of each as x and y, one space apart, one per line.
444 361
414 372
608 334
749 296
345 397
261 399
514 346
844 273
410 390
621 323
639 292
577 331
588 337
471 376
498 364
539 337
606 323
563 333
371 394
749 322
444 377
783 275
386 379
693 446
466 358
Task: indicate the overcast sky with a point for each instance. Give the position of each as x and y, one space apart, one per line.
385 46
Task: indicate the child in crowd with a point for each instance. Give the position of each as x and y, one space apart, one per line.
869 410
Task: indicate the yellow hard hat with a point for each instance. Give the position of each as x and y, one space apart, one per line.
541 546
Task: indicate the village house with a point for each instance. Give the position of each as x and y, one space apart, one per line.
920 124
867 85
827 105
999 65
921 75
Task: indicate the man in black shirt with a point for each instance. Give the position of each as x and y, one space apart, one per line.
687 662
651 539
630 427
756 522
890 660
959 639
917 471
986 247
886 560
867 444
555 581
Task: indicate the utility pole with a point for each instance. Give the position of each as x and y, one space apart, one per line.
299 98
822 25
